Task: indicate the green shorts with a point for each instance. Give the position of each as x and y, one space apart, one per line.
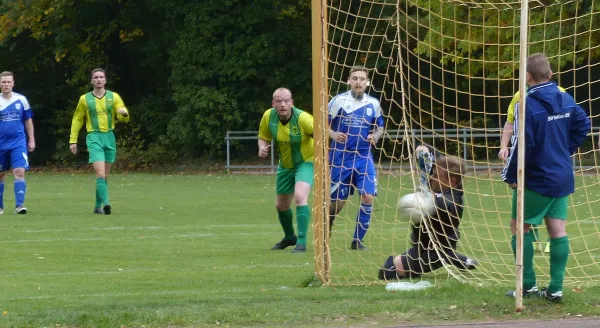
102 146
538 207
287 178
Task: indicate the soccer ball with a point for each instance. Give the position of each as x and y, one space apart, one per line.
412 207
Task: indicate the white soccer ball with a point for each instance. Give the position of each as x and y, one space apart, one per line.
412 207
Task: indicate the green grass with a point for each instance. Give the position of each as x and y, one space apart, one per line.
193 250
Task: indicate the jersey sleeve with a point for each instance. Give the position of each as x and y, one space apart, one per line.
119 103
510 113
27 112
379 122
78 120
306 123
263 132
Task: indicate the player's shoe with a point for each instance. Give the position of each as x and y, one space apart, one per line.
533 291
21 210
284 243
554 297
1 211
299 249
388 270
98 210
107 210
471 264
358 245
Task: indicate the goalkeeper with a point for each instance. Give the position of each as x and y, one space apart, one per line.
434 240
292 130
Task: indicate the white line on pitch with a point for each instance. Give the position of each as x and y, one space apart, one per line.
153 228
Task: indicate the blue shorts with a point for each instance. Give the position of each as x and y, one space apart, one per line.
14 158
359 174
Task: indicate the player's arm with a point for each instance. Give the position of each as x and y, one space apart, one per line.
77 123
509 128
122 112
264 135
580 127
333 110
28 123
378 129
306 123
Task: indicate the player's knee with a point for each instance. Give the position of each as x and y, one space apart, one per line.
19 173
366 199
280 207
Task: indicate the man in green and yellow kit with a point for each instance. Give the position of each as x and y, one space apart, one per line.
292 131
98 110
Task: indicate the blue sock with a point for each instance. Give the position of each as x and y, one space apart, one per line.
20 189
2 194
362 221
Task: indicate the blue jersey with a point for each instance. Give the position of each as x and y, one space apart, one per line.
13 114
357 119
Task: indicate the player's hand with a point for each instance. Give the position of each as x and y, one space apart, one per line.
503 153
31 146
371 138
513 185
264 151
73 148
123 112
340 137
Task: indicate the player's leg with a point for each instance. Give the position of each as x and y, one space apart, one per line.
19 162
110 156
284 186
95 147
341 188
411 264
535 209
366 183
304 177
4 165
559 247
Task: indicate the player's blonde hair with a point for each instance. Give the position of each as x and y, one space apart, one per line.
7 73
358 69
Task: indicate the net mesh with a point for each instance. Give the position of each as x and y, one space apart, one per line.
444 73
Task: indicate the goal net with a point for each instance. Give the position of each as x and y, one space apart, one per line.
444 73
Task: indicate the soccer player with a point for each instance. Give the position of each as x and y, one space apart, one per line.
356 124
292 130
99 109
555 126
16 139
438 229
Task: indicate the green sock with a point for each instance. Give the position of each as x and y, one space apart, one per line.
286 218
102 190
528 272
559 253
303 218
98 199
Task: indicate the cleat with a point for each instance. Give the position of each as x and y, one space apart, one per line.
388 270
1 211
358 245
107 209
299 249
552 297
284 243
98 210
20 210
533 291
471 264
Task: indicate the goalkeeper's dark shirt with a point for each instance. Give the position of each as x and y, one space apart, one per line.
441 227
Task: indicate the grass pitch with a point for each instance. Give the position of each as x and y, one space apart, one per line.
193 250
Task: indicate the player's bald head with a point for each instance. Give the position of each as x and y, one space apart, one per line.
282 92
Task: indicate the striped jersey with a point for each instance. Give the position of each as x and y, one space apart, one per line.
99 114
294 140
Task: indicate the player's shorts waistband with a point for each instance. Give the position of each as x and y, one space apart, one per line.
100 133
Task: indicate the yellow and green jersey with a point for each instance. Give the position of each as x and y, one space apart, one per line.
510 118
99 114
294 140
